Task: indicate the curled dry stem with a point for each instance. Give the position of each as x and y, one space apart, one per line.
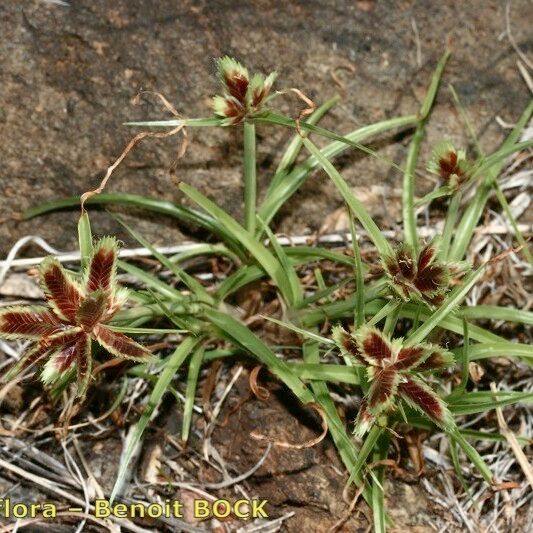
513 443
310 109
505 253
259 391
335 77
139 137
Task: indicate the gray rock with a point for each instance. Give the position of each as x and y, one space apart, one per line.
68 75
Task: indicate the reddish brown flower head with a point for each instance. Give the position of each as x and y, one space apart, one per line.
421 277
77 314
243 96
394 371
236 81
450 164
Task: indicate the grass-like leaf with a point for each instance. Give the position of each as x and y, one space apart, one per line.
495 312
457 466
263 257
326 292
151 204
452 215
173 123
250 179
285 185
356 206
453 300
470 218
495 349
378 490
304 332
151 281
195 286
368 446
240 334
280 120
473 455
173 364
465 361
325 372
192 380
295 145
146 331
295 286
85 238
408 191
359 317
470 403
297 255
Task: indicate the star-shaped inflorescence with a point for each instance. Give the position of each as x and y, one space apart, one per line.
243 95
420 276
396 372
77 314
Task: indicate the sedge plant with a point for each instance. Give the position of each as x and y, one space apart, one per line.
350 341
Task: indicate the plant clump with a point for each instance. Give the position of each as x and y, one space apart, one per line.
310 287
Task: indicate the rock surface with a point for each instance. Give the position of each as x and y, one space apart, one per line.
69 73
